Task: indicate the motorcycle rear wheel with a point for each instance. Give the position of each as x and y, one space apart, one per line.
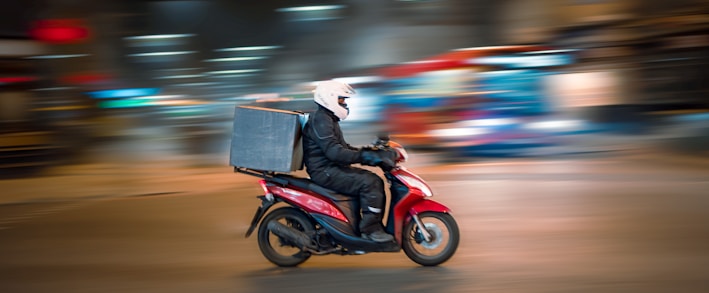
444 239
277 249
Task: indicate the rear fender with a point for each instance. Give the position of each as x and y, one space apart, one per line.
266 204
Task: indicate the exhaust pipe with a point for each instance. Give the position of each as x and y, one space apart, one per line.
296 237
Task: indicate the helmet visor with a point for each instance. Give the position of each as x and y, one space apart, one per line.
341 100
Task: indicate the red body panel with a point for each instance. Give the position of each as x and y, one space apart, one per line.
412 204
309 201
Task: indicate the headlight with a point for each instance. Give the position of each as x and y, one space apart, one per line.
417 183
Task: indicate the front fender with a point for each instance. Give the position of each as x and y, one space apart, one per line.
428 206
417 208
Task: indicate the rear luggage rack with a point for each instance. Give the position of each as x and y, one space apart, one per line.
268 175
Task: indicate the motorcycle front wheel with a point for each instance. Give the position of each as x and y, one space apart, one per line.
442 245
278 250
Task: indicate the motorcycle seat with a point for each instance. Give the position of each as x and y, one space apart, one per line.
308 184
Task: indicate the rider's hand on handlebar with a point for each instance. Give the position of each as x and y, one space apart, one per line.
388 153
384 158
389 157
387 165
370 157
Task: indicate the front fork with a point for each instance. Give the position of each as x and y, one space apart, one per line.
397 191
266 204
422 228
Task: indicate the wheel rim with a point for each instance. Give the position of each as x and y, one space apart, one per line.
440 237
436 236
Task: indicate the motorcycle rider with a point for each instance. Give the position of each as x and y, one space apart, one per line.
328 158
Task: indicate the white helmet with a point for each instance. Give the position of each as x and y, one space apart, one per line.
328 92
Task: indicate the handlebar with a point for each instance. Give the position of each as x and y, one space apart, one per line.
382 142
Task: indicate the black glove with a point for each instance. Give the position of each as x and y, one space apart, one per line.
370 157
388 157
388 154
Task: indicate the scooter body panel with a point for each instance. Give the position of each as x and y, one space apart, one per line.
411 203
343 234
417 208
308 201
330 216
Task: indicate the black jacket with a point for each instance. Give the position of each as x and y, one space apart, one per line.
324 146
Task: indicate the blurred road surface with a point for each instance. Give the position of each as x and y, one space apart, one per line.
631 221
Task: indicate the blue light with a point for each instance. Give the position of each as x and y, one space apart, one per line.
124 93
524 61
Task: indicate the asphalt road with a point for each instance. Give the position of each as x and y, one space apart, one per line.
622 222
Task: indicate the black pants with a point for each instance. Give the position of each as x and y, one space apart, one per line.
353 181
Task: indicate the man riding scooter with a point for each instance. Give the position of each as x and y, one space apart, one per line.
328 158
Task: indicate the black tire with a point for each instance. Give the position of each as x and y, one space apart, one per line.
278 250
444 242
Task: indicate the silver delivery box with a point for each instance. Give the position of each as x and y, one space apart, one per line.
267 139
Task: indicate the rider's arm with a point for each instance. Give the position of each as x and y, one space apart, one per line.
328 141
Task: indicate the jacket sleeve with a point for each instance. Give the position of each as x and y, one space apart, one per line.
332 147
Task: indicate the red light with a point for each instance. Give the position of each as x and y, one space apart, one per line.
85 78
452 60
60 30
16 79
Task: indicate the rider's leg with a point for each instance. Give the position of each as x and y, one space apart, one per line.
369 187
372 202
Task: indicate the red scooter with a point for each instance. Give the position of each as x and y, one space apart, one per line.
319 221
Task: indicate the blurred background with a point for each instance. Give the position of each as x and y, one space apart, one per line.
569 137
89 80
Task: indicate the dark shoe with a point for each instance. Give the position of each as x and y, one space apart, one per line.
371 228
378 236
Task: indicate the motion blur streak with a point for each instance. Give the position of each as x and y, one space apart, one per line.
533 116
